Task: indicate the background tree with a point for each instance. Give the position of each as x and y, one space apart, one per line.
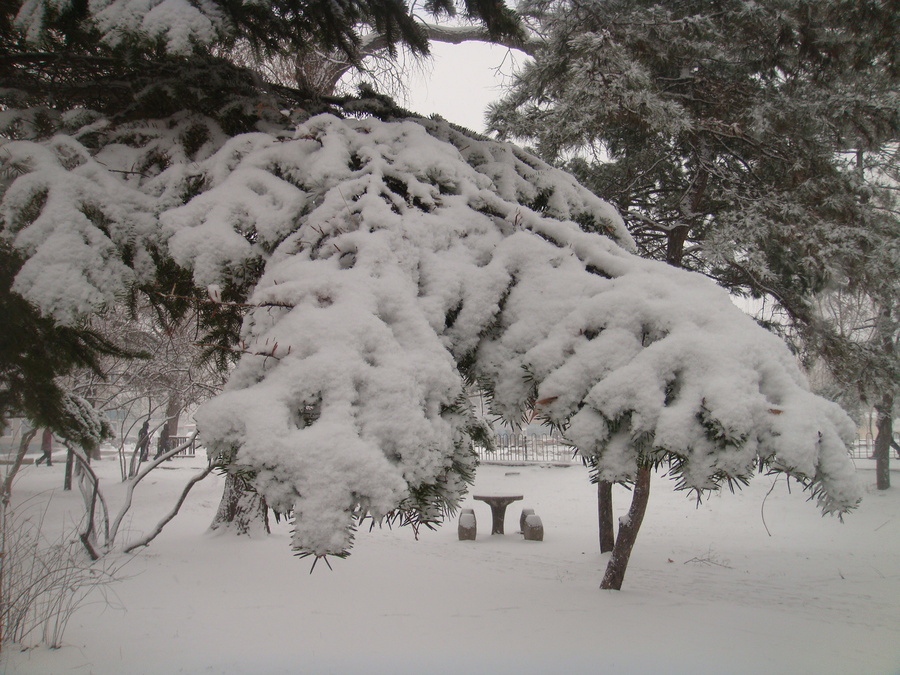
730 136
172 375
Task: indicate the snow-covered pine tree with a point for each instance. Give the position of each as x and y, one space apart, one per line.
67 66
722 133
386 262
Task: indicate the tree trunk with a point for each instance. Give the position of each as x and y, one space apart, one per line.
70 469
173 413
628 529
605 516
883 442
675 239
885 411
241 511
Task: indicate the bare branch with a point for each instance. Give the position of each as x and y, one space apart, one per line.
144 541
132 484
17 464
88 537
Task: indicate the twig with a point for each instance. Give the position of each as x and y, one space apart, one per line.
708 560
87 537
762 507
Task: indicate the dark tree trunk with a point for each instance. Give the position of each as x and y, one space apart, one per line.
885 409
241 511
70 469
675 245
605 516
883 442
628 529
173 413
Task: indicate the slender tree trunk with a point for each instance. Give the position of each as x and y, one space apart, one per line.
883 442
628 529
241 510
885 410
70 469
605 516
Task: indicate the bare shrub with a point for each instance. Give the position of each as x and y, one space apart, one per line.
45 581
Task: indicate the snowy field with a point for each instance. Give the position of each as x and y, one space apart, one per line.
708 590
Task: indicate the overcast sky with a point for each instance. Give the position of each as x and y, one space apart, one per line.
461 81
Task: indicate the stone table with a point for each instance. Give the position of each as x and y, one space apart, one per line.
498 504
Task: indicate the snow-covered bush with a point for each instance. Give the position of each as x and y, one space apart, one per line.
391 263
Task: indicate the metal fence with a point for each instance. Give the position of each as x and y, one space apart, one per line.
189 451
864 447
548 448
529 448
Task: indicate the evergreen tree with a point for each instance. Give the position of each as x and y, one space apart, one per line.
36 354
67 66
384 263
728 134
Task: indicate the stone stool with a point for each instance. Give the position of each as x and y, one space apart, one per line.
525 514
467 525
534 528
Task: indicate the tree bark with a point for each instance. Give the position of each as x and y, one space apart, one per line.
883 442
628 529
885 410
605 516
241 510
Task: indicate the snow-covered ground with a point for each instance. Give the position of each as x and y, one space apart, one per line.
708 590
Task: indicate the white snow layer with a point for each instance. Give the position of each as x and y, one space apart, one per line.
401 259
179 24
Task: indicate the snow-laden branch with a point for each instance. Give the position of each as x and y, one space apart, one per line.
376 42
337 64
402 259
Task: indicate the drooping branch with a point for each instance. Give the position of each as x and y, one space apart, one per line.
91 497
456 35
